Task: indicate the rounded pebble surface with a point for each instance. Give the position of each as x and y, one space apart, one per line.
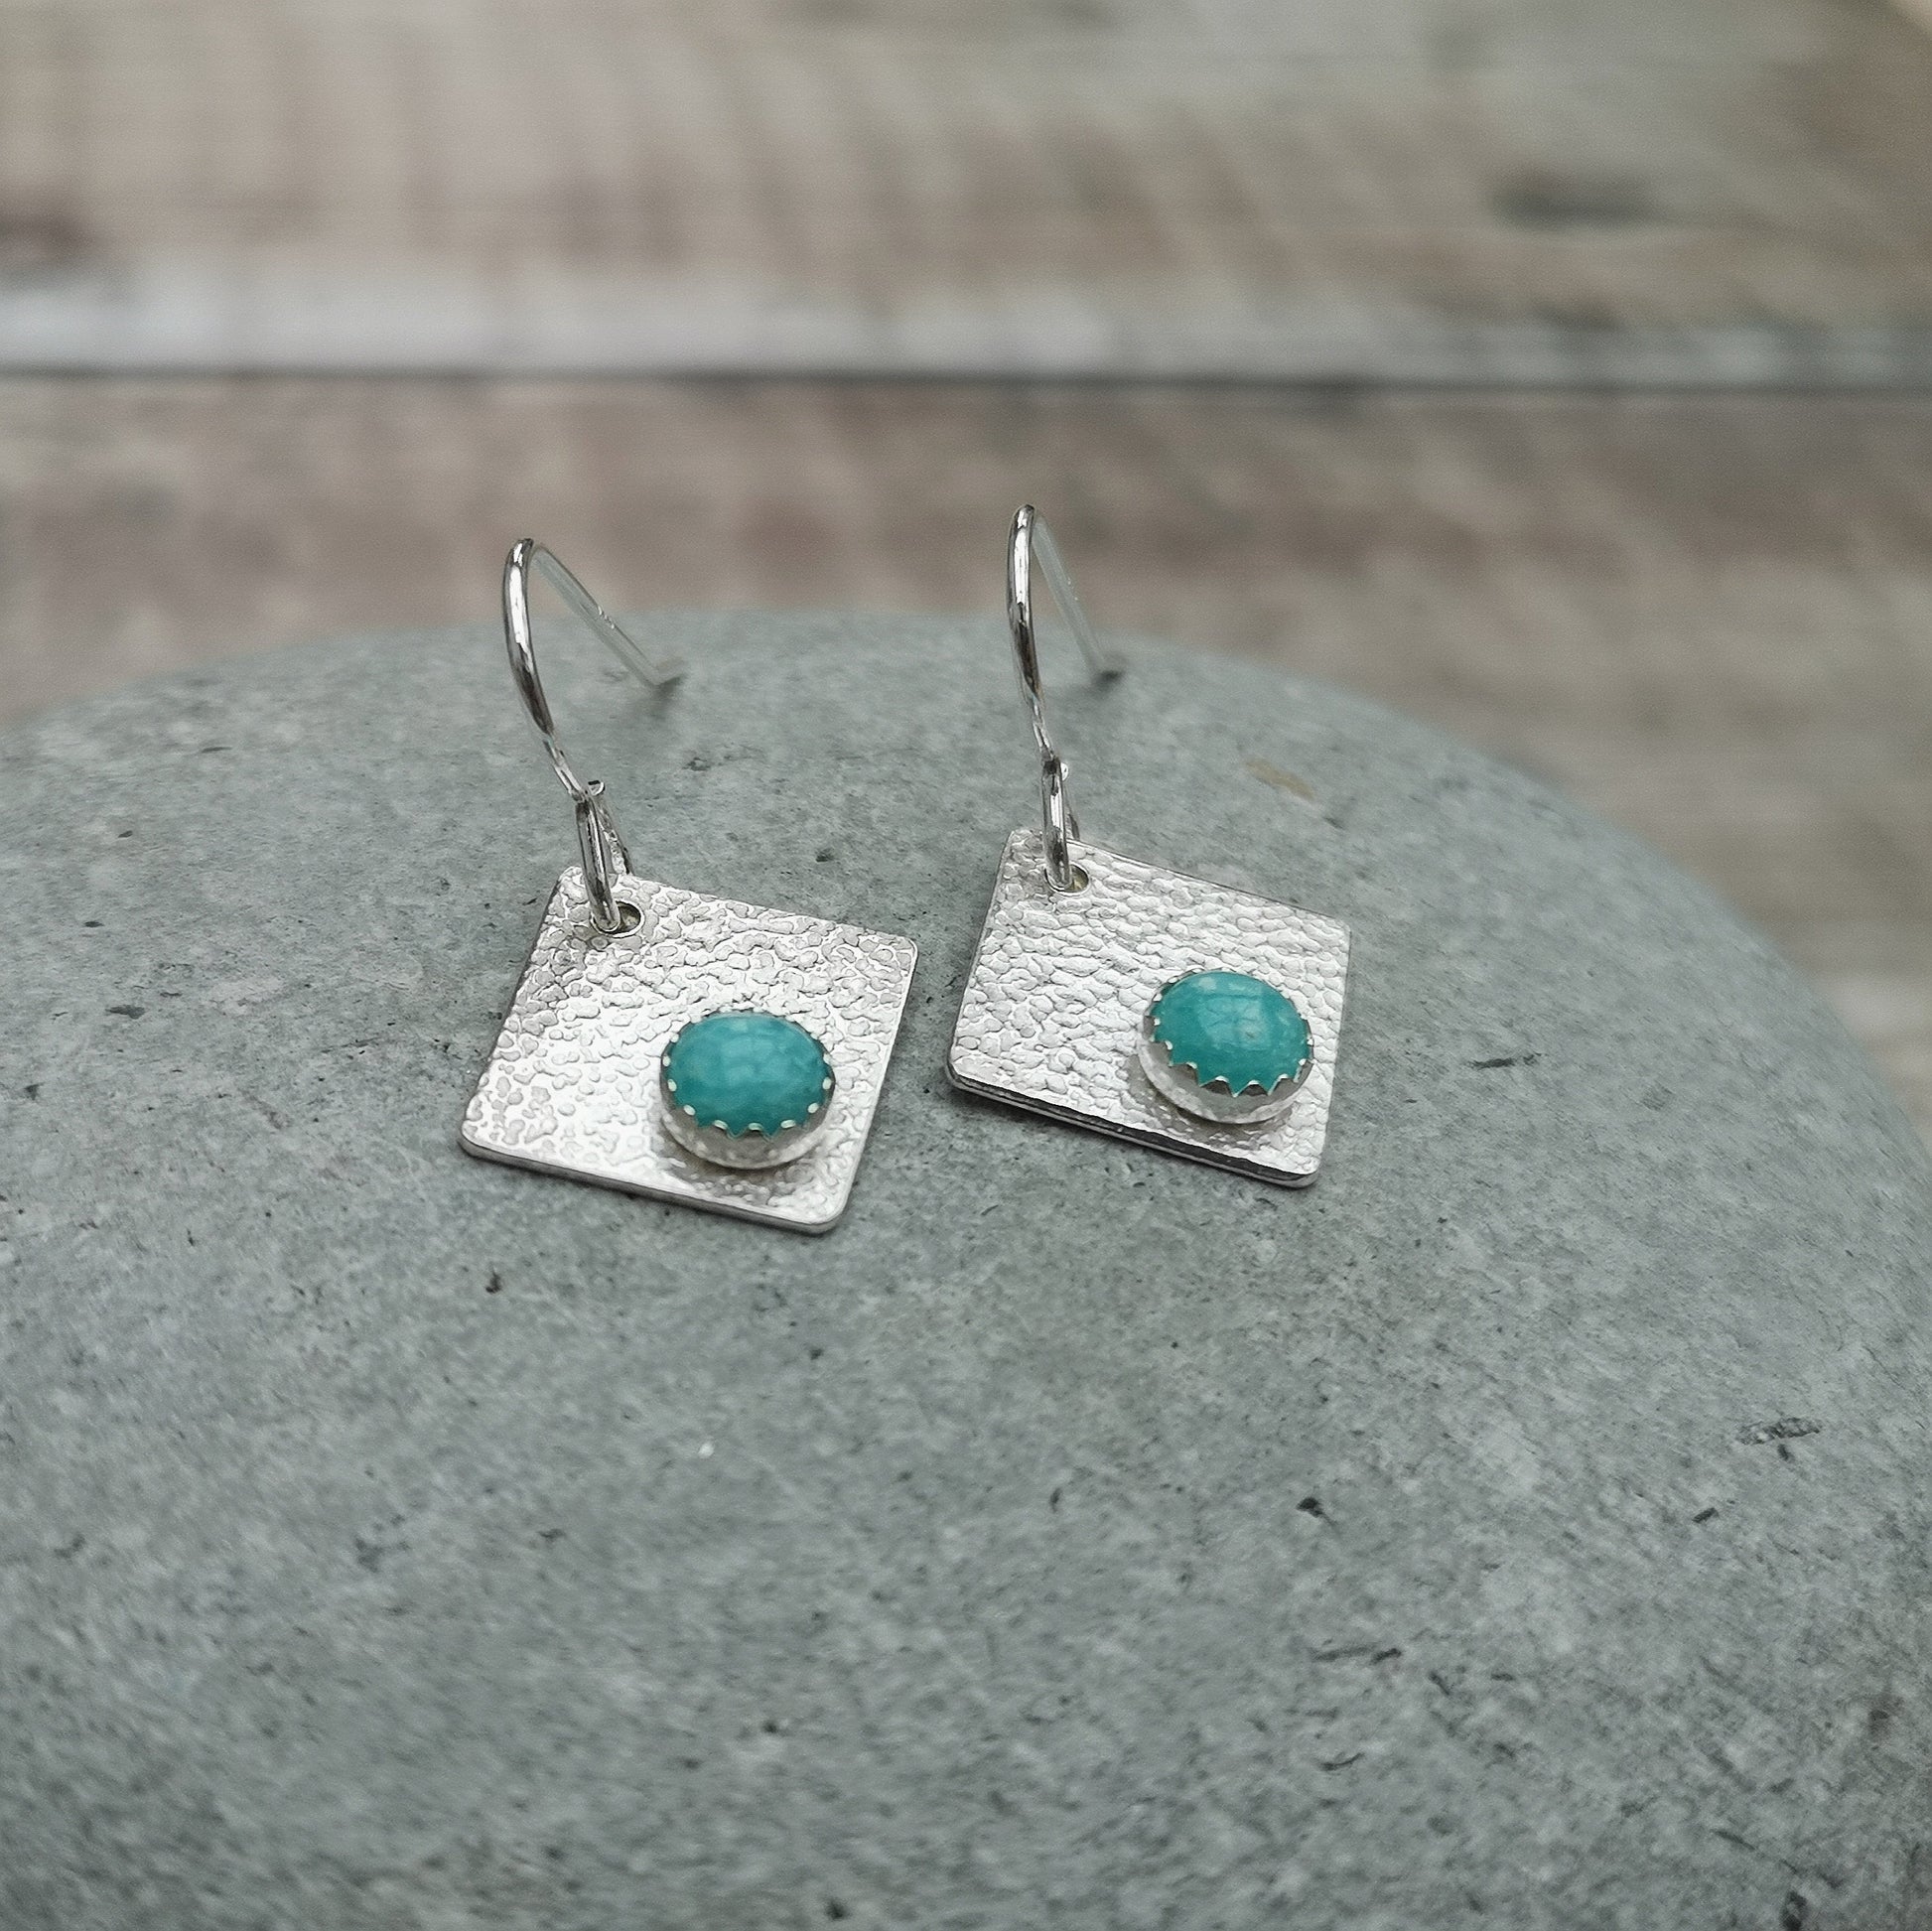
1529 1525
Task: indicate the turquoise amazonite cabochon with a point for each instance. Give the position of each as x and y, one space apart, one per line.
747 1071
1229 1025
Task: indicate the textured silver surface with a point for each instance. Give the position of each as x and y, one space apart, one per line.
1052 1016
571 1087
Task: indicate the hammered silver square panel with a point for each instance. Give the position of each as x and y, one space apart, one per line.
1053 1009
572 1085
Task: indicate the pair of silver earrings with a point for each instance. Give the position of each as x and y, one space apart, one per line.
731 1056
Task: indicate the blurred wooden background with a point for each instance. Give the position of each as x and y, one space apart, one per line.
1558 370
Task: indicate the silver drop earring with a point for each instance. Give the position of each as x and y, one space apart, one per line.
1114 995
673 1043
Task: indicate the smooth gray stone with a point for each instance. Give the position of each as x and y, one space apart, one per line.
1526 1526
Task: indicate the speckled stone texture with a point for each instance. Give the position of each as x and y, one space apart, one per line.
1526 1526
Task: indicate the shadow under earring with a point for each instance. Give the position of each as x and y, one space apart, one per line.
673 1043
1116 995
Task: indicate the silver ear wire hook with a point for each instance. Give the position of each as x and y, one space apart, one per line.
1031 539
598 836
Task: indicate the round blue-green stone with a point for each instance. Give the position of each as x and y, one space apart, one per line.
747 1070
1229 1025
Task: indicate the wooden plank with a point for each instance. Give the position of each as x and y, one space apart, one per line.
1452 191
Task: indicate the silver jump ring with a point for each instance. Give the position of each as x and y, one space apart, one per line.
606 858
1031 539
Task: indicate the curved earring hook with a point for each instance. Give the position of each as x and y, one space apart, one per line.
1031 539
598 838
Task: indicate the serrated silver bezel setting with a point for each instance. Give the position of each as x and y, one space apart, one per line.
749 1152
1215 1100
